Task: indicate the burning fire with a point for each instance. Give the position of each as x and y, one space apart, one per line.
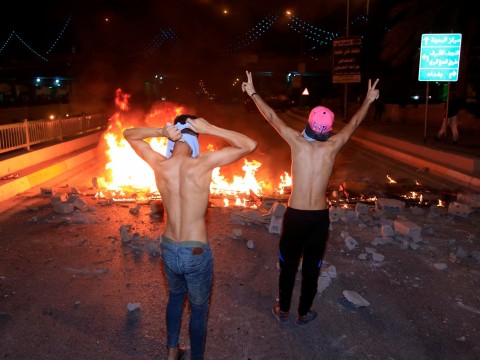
286 183
415 196
390 180
127 172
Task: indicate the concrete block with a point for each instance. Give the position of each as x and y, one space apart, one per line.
55 199
407 228
278 210
361 208
79 203
323 282
275 226
469 197
391 206
63 207
59 197
457 209
386 230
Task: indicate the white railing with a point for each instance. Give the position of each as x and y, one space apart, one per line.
28 133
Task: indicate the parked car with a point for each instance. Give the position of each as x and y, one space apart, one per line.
277 102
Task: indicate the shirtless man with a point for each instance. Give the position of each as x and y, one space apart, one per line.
183 179
306 220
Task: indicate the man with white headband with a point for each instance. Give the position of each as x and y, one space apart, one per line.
306 220
183 179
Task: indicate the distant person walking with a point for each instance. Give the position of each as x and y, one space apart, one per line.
183 178
306 220
451 120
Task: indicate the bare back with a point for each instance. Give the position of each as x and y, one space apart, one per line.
312 165
184 184
182 180
312 161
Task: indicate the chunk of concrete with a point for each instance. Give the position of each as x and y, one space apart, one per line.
457 209
355 298
390 206
275 226
63 207
407 228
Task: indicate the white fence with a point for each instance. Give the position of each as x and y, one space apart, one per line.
24 135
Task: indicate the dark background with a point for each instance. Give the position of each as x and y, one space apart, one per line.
201 49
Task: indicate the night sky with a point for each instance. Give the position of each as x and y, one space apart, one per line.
122 42
132 26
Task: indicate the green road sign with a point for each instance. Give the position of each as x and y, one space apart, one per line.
439 57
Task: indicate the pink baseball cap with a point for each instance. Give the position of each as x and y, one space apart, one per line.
321 119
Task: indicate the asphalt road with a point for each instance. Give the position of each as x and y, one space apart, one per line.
66 281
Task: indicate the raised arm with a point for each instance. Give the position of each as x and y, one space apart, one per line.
343 135
241 145
136 138
268 113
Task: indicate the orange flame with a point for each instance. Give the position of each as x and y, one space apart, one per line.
125 170
286 182
390 180
121 100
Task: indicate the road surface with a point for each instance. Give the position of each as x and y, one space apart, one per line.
67 281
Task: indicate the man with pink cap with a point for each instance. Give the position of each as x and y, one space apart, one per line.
306 220
319 125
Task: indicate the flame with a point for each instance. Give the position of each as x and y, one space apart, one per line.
390 180
121 100
126 172
125 168
239 184
413 195
286 183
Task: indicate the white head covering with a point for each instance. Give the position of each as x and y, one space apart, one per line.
191 140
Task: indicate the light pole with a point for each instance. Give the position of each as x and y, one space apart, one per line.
345 95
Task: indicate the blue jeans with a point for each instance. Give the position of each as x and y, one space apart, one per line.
188 268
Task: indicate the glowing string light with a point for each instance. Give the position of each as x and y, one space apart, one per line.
55 42
6 42
313 33
159 39
255 33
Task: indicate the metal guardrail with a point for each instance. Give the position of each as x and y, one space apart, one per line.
28 133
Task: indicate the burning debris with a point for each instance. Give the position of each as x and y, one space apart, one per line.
135 183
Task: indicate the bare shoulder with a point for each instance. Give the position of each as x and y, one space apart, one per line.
294 138
336 142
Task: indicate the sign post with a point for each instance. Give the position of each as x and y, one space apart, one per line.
346 63
346 60
439 61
